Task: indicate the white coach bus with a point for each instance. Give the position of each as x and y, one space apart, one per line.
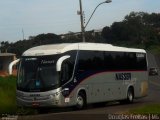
77 74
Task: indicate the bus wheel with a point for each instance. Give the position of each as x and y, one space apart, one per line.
81 101
130 95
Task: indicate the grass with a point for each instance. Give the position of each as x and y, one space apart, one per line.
155 49
8 98
8 95
146 109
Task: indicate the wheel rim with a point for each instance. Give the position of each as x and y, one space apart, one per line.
80 101
130 96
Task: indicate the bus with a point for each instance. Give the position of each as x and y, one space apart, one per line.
77 74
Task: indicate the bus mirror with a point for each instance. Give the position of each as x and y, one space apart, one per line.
60 61
11 66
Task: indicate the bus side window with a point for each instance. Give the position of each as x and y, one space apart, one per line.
66 72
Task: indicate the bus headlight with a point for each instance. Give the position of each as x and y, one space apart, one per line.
65 92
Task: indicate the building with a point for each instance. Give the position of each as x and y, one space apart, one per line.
5 60
93 32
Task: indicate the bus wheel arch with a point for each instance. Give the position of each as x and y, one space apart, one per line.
81 99
130 94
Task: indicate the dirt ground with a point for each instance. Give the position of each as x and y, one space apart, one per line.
4 73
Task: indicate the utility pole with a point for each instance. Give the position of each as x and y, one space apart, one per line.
82 21
81 13
22 33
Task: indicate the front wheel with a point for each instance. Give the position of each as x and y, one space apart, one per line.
81 101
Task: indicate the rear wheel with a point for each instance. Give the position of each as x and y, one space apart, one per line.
130 95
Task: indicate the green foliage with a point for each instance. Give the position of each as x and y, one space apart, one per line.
155 49
147 109
137 28
20 46
8 98
8 95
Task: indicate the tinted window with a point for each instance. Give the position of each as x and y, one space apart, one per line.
125 61
38 73
91 60
99 60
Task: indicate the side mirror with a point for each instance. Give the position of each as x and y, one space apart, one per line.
11 66
60 61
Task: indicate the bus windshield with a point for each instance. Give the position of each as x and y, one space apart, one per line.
38 74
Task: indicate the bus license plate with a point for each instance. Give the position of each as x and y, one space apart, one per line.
35 104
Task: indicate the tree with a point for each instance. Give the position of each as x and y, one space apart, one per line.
4 46
136 28
107 34
22 45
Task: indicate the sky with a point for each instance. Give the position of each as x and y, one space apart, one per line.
33 17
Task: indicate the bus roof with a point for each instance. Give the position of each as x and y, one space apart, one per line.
64 47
